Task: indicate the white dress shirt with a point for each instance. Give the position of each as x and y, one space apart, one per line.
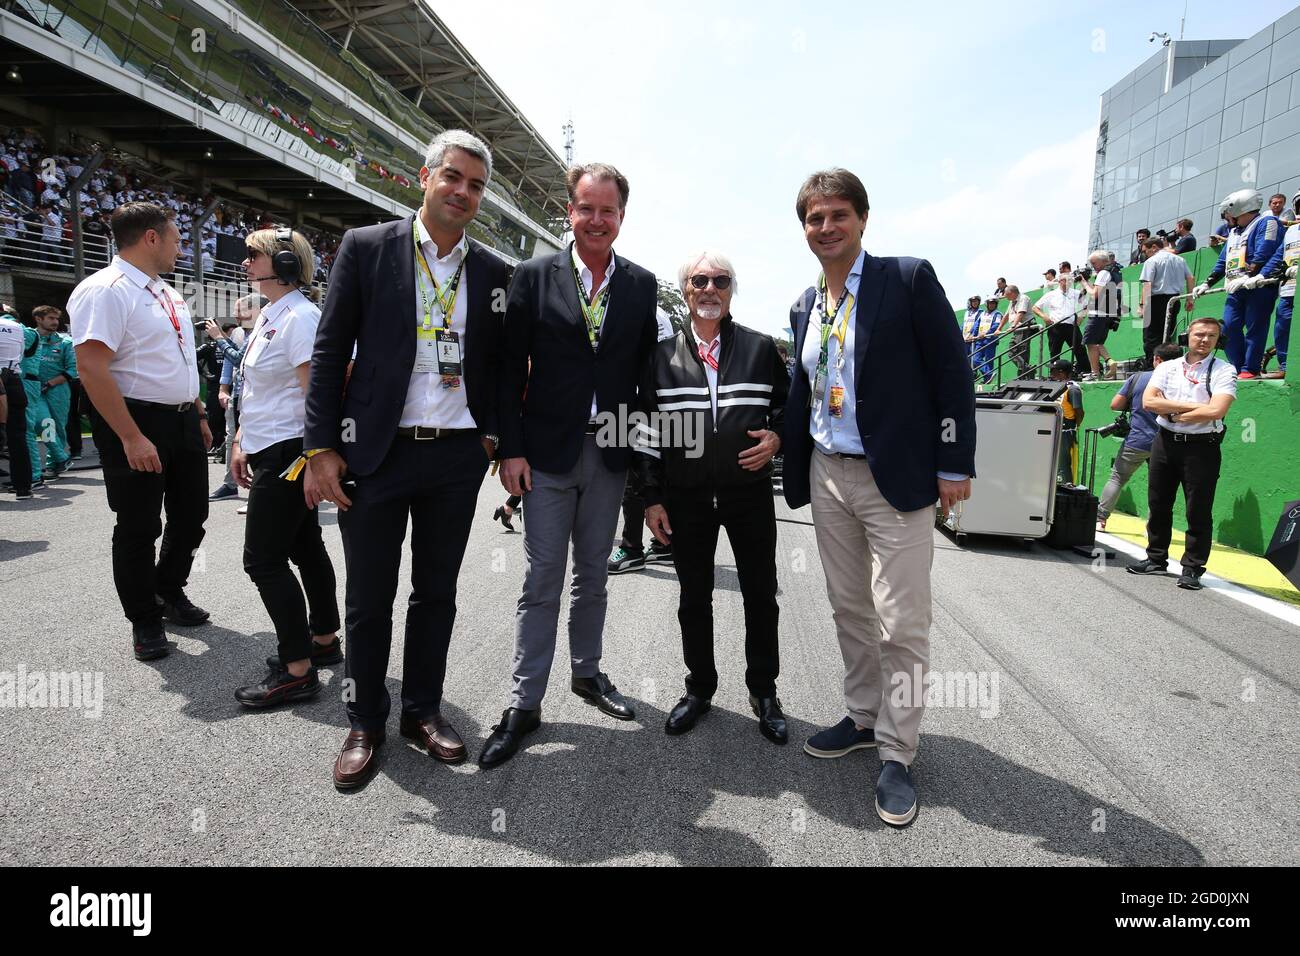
1062 308
126 310
1179 381
713 346
585 274
427 402
272 406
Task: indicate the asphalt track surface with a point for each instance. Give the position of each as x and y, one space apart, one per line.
1133 723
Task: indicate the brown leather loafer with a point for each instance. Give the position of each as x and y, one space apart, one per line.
435 735
359 759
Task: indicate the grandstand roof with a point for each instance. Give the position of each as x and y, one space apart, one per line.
405 42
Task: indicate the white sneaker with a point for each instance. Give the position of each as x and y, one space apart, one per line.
242 510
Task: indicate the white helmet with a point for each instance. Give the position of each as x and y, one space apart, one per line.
1241 202
1295 202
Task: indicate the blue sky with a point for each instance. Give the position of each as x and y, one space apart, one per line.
972 125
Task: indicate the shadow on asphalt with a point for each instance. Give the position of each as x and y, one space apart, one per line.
13 550
583 794
586 794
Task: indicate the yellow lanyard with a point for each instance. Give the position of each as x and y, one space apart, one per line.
446 304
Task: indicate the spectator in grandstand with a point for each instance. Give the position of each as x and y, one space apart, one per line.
1220 235
1020 321
135 353
1139 255
991 328
281 526
1142 432
1184 241
1277 206
1105 306
1059 310
1191 396
22 184
52 236
1071 402
724 482
1164 277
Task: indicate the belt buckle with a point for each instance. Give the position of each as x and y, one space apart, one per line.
419 428
1181 436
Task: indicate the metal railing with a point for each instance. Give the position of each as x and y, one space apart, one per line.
24 249
1034 342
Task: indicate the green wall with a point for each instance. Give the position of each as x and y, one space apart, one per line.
1261 454
1261 462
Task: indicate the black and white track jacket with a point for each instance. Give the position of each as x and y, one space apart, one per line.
682 445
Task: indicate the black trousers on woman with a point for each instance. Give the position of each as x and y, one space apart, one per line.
749 517
281 528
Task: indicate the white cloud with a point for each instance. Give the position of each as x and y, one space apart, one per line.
1030 217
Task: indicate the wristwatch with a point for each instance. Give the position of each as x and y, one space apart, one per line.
495 440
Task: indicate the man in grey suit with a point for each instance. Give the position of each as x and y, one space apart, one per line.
579 327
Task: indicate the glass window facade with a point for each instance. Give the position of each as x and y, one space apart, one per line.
1230 121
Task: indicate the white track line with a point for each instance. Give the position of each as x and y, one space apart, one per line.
1271 606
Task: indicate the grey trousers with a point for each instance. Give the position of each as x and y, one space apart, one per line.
582 505
232 425
1127 462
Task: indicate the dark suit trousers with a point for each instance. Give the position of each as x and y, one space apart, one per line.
1156 330
748 515
1059 335
20 459
1195 466
139 499
434 484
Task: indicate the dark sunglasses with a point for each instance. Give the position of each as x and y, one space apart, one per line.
721 283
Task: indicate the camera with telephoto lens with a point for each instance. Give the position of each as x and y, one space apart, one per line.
1120 427
1083 272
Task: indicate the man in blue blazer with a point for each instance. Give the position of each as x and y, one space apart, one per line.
880 423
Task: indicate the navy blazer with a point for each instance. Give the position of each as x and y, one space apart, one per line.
914 390
371 304
549 370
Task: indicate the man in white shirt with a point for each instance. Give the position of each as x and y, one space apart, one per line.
1191 397
13 402
1020 322
135 355
1059 308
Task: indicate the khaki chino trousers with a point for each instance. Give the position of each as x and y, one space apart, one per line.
877 563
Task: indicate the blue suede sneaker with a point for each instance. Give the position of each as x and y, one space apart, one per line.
839 740
895 795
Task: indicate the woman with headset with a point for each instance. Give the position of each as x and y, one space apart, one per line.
280 526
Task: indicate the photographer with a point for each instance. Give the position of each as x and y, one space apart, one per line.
1105 305
1142 429
281 528
209 361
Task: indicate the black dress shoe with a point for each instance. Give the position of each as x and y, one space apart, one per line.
771 720
600 692
180 611
150 641
683 717
508 735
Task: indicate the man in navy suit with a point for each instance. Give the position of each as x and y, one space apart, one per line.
579 328
880 423
408 436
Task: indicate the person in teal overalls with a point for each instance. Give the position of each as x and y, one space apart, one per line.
46 373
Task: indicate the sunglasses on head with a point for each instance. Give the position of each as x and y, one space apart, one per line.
721 283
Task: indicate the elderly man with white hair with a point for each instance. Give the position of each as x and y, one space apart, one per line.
1105 305
714 395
